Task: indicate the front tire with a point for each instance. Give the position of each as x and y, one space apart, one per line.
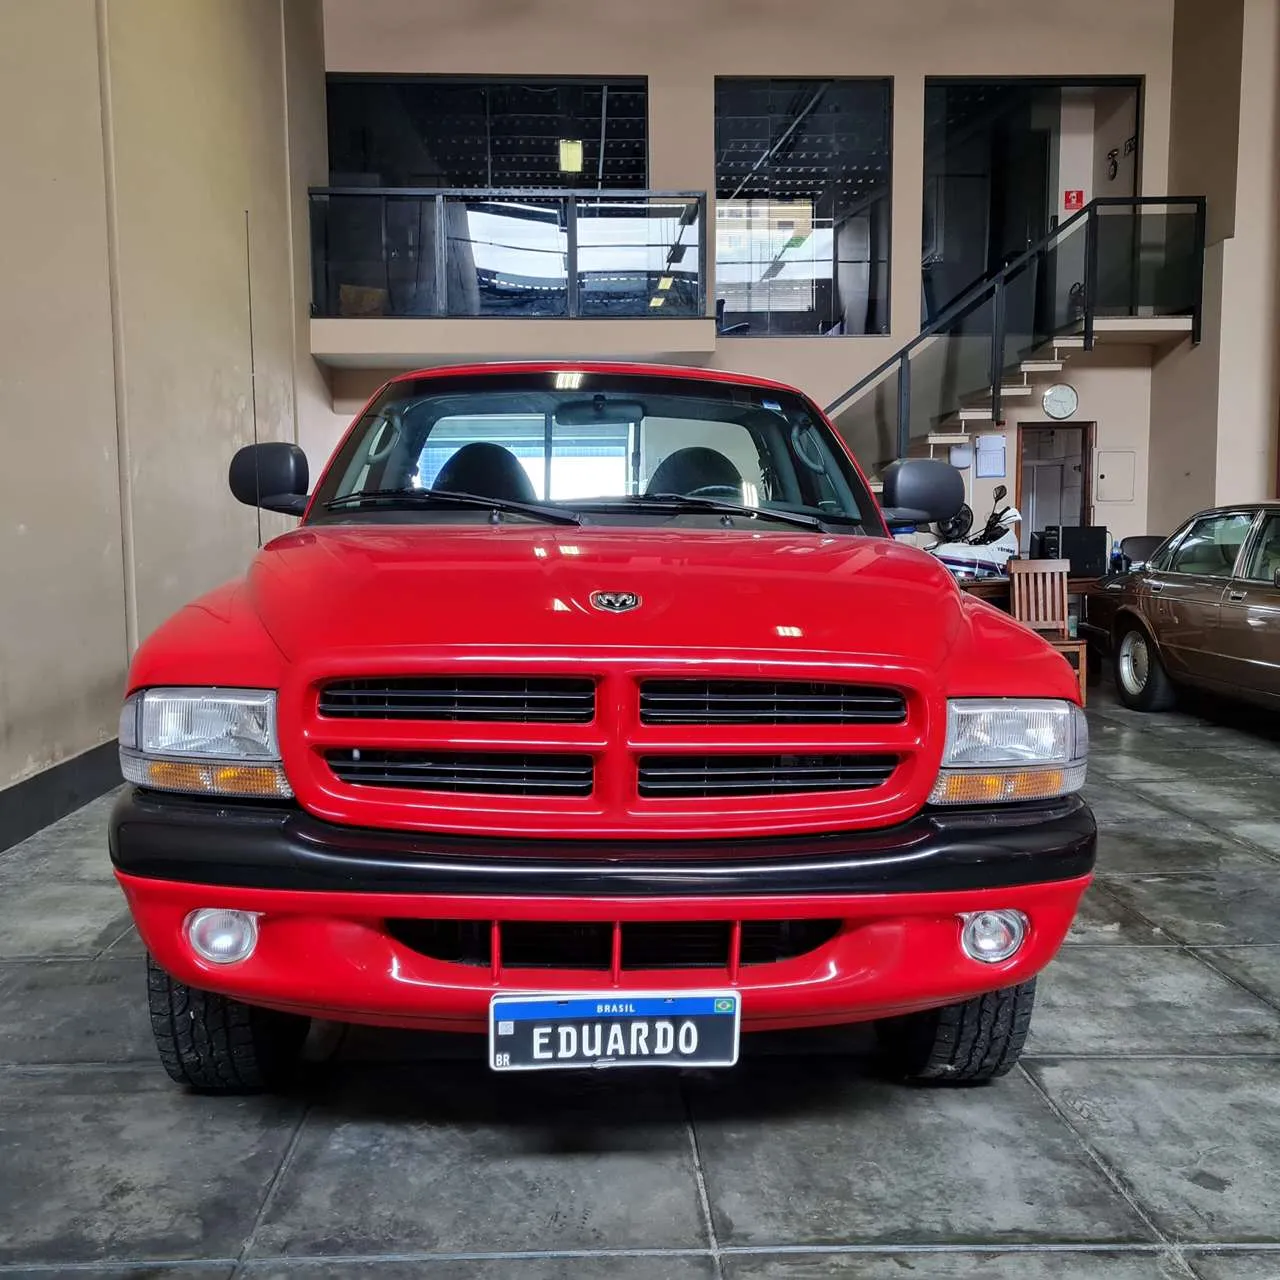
966 1043
1141 680
218 1045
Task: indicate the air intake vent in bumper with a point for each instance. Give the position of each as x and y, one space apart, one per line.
677 777
480 772
493 699
643 944
767 702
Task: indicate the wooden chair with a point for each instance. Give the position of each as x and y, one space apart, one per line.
1038 599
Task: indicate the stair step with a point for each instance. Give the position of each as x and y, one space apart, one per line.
1068 344
1041 366
948 437
974 415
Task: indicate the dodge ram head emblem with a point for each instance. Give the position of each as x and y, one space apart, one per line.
615 601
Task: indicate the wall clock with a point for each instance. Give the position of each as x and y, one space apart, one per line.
1060 401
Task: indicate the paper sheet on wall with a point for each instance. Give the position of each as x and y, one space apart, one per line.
989 458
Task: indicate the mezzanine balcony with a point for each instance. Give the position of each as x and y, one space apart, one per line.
404 275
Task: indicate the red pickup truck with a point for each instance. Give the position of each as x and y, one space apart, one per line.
594 708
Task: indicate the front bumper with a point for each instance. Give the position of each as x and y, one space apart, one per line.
326 894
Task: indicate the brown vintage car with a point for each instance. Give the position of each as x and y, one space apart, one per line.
1204 610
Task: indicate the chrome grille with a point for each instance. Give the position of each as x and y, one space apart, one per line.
767 702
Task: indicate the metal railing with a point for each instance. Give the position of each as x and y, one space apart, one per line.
421 252
1133 257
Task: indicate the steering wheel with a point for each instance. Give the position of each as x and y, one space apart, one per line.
718 492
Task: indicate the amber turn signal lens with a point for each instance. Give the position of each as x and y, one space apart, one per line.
1002 785
260 781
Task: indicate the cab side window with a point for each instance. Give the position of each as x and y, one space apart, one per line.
1212 545
1264 563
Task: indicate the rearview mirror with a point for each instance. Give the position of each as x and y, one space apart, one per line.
272 476
920 491
599 411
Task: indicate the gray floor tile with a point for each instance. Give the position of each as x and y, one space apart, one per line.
1195 1140
115 1165
1236 1264
1262 832
978 1265
127 944
649 1267
1219 909
1173 846
150 1270
1255 968
51 918
570 1162
1102 921
1215 800
1121 1000
74 1011
806 1152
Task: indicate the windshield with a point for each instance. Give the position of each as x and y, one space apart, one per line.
602 448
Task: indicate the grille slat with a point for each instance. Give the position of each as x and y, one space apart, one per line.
668 777
479 772
775 702
536 944
497 699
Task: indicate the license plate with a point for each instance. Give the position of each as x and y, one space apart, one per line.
643 1029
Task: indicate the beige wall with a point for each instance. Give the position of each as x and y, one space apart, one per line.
128 344
1114 386
62 628
1216 408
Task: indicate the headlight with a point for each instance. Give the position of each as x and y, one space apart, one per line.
1002 749
207 741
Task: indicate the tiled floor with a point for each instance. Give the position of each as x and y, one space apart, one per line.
1140 1138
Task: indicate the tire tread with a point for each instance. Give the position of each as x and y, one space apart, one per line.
219 1045
974 1040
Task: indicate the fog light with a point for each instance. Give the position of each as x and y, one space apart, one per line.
221 936
992 936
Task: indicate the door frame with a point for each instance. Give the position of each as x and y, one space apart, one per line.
1089 433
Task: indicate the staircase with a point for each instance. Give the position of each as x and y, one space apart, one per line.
1122 268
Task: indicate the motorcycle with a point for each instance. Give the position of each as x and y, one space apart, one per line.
986 553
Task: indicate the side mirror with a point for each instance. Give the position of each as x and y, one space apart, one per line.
272 476
1275 579
920 491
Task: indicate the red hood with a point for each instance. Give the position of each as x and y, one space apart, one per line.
361 587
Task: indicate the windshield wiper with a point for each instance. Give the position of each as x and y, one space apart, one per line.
449 497
682 502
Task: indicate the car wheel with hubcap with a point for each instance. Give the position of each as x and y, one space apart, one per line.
218 1045
1141 680
966 1043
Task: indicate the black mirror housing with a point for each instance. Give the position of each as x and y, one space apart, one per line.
273 476
921 491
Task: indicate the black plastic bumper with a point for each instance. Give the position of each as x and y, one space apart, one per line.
281 847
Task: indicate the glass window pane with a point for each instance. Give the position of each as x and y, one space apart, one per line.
802 216
1212 545
1264 564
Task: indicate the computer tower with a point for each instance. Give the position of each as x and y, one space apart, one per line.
1084 546
1044 544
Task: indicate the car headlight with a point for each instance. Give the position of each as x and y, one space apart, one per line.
1008 749
218 742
